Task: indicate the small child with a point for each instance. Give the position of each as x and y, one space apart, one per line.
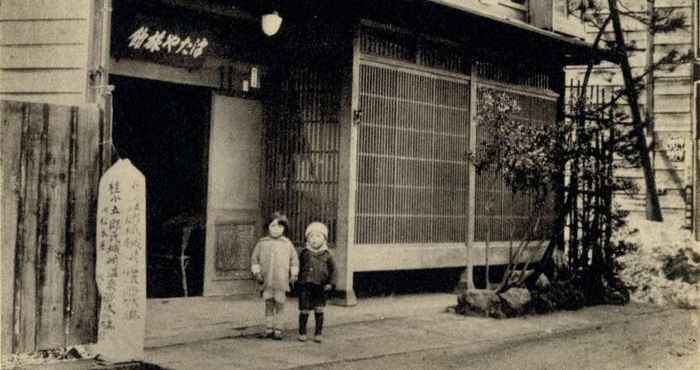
275 265
316 277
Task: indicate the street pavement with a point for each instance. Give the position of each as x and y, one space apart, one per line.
419 332
380 342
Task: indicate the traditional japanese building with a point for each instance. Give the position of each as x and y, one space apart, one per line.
358 114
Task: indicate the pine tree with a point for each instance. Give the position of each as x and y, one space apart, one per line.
606 17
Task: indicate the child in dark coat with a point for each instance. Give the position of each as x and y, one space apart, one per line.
316 277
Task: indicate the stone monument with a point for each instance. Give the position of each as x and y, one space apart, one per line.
121 263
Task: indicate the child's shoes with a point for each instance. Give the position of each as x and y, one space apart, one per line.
302 338
318 338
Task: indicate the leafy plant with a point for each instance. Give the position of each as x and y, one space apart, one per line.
523 156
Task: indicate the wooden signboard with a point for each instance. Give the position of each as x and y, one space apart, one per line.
121 263
162 40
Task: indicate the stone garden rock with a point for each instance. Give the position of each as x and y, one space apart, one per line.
481 302
516 300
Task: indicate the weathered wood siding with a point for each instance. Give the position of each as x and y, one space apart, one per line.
44 46
672 107
51 163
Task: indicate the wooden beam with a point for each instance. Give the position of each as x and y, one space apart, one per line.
392 257
211 7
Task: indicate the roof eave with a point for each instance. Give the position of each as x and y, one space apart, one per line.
575 51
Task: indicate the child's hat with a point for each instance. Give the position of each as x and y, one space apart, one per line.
317 227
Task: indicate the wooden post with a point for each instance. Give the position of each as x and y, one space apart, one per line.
347 177
695 160
467 278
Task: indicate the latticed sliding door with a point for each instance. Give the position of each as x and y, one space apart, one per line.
500 214
412 169
302 137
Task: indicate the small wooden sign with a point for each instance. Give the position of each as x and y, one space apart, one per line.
121 263
234 246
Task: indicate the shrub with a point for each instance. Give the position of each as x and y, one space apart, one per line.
560 295
665 268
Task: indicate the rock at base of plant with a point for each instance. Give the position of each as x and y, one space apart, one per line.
617 297
516 300
480 302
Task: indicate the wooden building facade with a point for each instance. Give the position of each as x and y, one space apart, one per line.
358 114
673 111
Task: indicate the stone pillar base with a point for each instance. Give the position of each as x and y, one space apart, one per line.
345 298
464 283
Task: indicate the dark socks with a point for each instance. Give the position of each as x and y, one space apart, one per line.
303 319
319 322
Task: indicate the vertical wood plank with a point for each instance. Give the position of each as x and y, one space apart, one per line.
27 242
54 197
84 181
11 118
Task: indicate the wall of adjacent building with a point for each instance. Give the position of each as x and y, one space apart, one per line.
672 108
44 50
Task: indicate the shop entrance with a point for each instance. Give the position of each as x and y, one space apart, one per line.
163 128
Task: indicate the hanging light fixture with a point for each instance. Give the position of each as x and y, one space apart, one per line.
271 23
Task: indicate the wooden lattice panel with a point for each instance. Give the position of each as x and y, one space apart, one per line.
412 172
302 142
402 45
517 74
511 214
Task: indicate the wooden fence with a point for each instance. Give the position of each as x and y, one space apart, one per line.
51 164
591 180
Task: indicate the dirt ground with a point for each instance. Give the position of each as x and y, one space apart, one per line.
668 340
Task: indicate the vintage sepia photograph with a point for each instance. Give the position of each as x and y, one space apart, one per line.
349 184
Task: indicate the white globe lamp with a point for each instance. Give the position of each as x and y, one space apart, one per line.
271 23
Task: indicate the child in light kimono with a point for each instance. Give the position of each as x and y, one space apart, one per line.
275 265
